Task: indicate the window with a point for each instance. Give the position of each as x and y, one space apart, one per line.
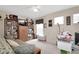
76 18
59 20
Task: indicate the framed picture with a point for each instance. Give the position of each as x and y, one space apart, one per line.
50 23
68 20
45 25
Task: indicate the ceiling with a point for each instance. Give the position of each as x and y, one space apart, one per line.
27 10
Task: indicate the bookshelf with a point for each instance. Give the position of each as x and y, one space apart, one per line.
11 27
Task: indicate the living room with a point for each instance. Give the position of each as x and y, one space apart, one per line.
45 23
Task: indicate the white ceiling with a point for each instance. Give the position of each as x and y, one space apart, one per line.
27 11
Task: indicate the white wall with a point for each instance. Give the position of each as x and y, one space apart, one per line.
3 15
51 32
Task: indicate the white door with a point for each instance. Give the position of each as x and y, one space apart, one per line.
40 31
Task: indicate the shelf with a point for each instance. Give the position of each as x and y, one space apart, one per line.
11 27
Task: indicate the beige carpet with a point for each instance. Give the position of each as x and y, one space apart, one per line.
45 47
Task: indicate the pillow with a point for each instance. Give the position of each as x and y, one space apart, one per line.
13 43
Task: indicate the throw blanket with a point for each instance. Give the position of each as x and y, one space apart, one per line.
5 47
24 49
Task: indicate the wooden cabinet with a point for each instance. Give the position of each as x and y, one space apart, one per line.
26 30
23 33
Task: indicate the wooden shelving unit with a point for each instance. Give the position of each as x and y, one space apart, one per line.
30 29
15 28
11 27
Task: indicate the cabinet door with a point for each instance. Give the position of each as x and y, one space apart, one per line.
23 35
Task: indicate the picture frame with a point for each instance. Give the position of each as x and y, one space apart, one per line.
45 25
50 23
68 20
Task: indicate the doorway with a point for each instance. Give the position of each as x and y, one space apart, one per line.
40 29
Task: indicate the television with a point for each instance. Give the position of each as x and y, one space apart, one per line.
76 38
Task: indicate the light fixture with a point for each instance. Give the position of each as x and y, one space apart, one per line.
36 8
